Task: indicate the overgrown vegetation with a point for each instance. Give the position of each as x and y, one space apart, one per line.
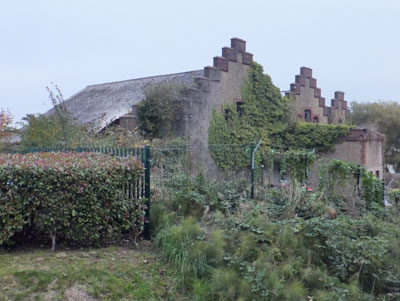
55 130
78 197
351 187
320 137
161 110
288 244
265 115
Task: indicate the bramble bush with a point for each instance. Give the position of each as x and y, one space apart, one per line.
79 197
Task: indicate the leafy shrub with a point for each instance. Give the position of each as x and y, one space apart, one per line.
160 111
77 196
362 248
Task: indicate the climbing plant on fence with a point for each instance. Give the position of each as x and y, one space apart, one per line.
337 172
80 197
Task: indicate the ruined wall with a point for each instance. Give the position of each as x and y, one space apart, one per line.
221 84
361 147
373 152
307 97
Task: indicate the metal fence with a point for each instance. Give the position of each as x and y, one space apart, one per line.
170 165
166 167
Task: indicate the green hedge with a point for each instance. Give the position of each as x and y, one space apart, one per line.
79 197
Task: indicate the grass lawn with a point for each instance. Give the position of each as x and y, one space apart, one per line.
114 273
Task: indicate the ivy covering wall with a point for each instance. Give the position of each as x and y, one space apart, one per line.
320 137
265 114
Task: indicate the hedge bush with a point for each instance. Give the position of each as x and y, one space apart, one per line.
79 197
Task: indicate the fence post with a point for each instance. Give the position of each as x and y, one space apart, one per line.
383 192
253 154
358 180
252 171
146 227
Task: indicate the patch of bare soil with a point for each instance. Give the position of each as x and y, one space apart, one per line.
77 293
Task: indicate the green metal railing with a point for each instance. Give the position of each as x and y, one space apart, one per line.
167 166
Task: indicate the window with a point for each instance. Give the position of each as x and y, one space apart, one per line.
239 109
377 173
315 119
307 115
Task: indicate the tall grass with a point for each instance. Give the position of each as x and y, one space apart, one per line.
186 250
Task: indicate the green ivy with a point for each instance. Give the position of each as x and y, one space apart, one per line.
265 115
337 172
320 137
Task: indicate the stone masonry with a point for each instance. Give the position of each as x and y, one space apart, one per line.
310 105
214 86
221 84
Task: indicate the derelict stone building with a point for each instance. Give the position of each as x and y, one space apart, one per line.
206 89
212 87
360 146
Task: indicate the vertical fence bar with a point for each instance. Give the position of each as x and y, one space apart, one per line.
252 171
306 170
146 229
136 152
358 180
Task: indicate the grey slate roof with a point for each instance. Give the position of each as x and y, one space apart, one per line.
102 103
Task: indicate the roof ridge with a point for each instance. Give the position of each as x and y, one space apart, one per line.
140 78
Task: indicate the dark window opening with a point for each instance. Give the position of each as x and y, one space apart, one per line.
315 119
226 114
307 115
239 109
377 173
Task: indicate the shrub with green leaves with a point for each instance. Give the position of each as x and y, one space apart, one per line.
79 197
161 110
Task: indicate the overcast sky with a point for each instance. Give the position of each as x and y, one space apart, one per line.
352 45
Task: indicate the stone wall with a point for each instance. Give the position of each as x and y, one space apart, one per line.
361 147
308 101
221 84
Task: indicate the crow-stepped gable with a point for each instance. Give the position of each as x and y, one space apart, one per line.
310 105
